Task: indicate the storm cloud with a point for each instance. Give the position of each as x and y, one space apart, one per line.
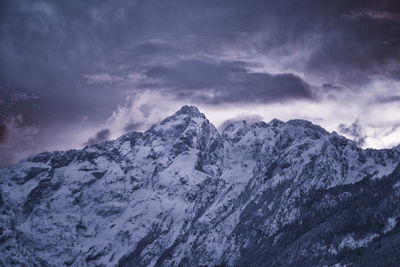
71 65
354 131
100 136
219 82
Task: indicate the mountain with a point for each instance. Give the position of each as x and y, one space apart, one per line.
181 194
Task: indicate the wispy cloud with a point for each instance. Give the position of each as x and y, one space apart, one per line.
102 78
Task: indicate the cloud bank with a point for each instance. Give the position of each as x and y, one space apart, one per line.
72 69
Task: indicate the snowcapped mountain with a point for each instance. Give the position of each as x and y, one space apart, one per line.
181 194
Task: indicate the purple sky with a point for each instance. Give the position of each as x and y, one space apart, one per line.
80 72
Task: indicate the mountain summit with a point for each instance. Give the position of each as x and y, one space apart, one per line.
181 194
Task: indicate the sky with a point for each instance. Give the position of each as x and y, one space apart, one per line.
74 73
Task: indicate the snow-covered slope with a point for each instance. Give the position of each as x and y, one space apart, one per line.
183 194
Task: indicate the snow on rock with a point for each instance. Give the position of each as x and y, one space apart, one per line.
349 241
179 193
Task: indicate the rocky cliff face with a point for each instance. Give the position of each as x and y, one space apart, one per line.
181 194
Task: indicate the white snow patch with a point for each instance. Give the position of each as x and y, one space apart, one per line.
390 224
350 242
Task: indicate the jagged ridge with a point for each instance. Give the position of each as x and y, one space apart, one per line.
182 194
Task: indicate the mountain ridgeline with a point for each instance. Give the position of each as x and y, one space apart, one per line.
182 194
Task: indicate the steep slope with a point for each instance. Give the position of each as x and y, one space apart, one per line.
276 194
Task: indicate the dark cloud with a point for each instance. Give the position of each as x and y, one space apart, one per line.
249 119
358 47
196 74
226 82
17 140
134 126
3 133
100 136
388 99
333 87
146 110
354 131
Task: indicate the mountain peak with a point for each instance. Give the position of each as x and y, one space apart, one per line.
190 110
186 118
147 199
306 124
184 115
